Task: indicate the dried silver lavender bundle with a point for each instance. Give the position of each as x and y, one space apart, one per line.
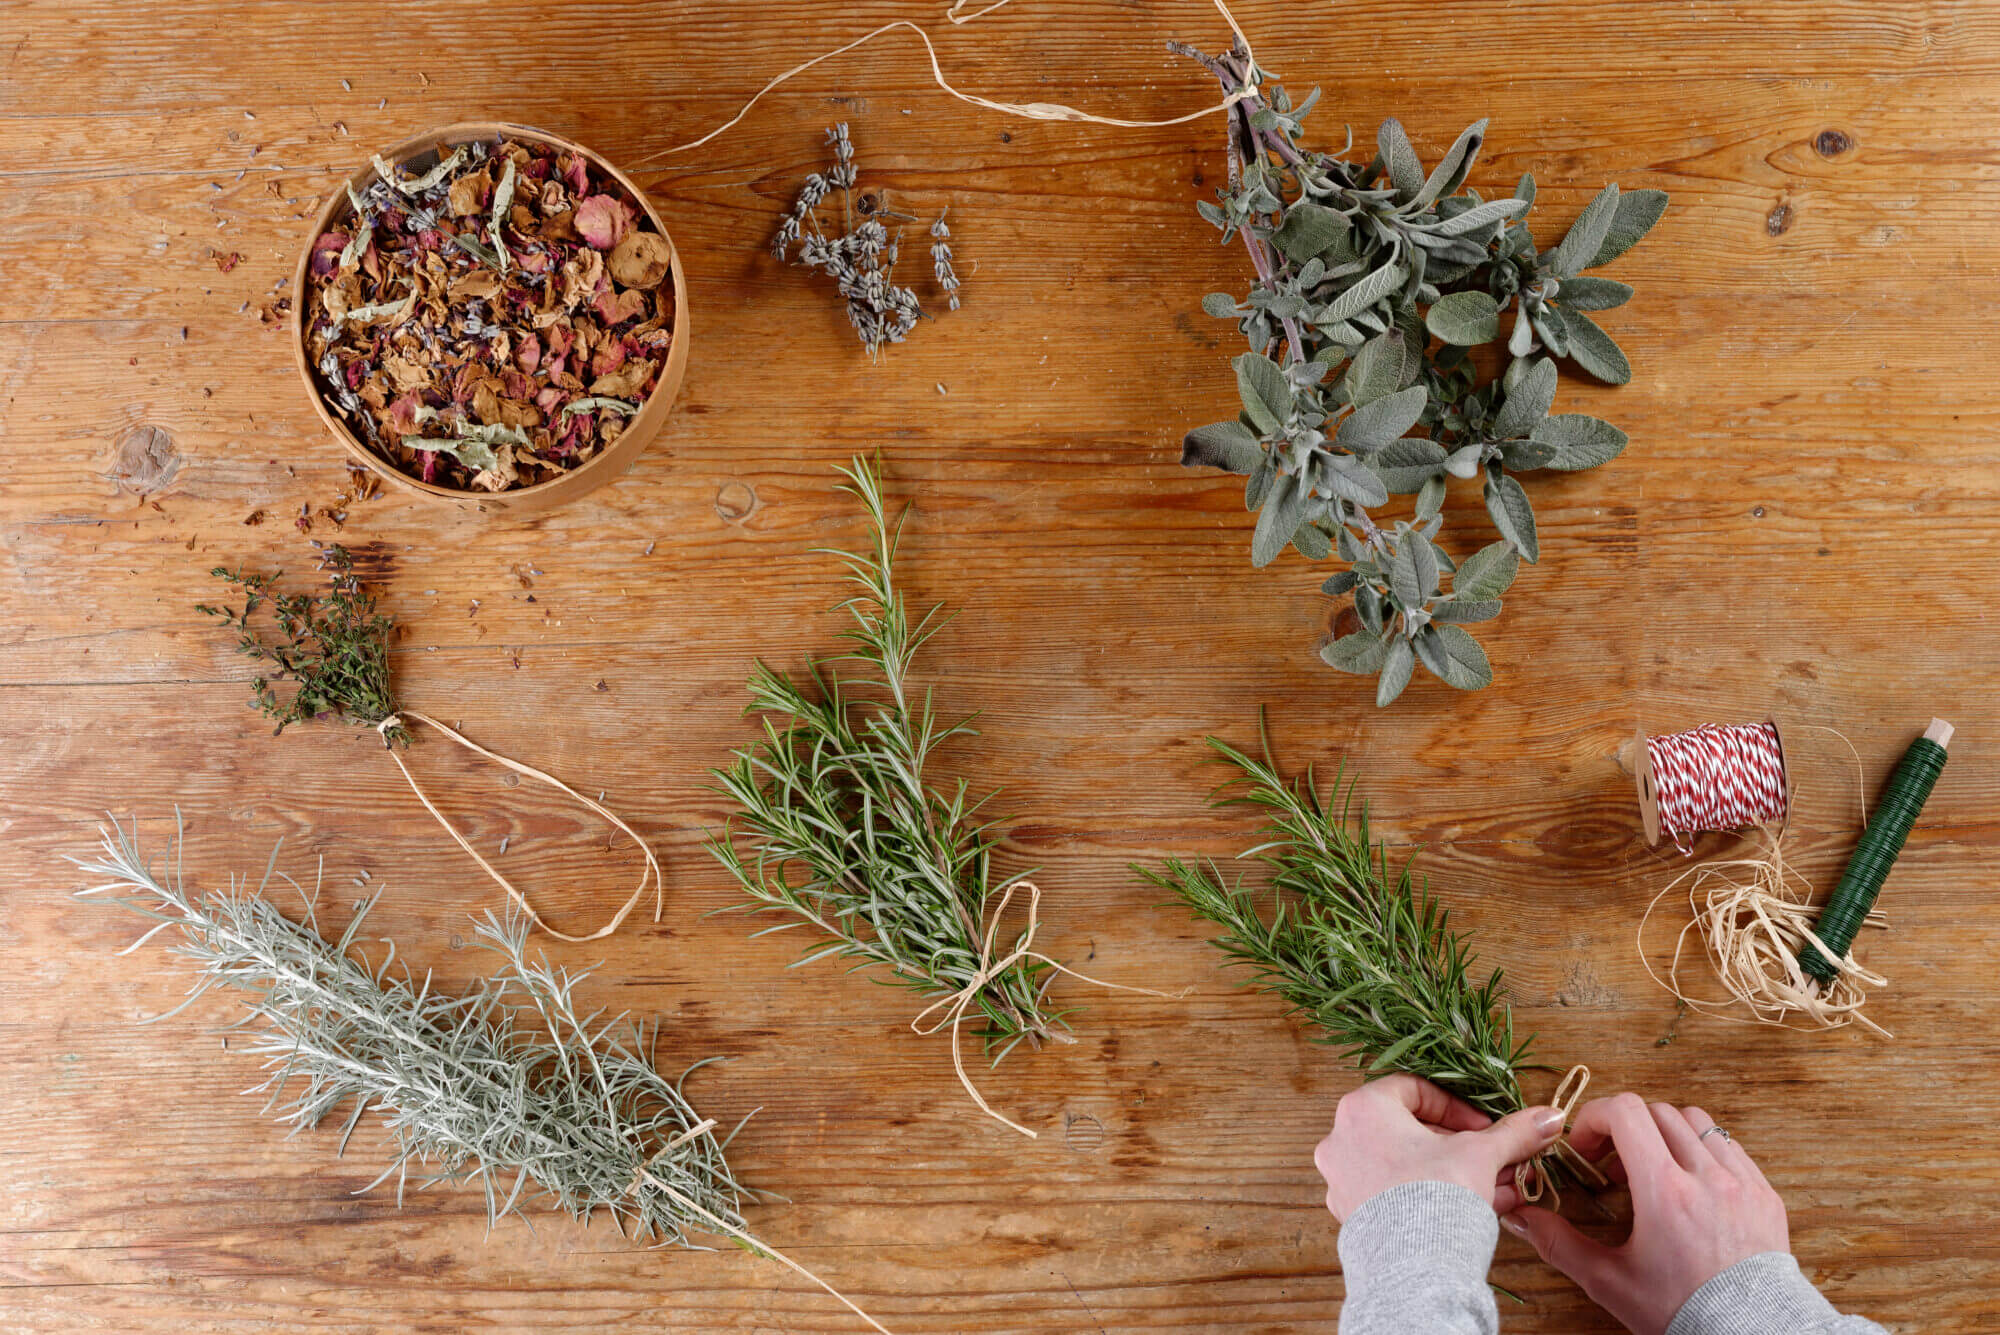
509 1084
861 258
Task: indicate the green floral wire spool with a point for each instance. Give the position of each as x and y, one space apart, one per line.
1909 787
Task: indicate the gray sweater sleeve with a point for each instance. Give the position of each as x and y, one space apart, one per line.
1415 1258
1766 1294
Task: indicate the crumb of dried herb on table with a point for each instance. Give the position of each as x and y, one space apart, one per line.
861 256
492 320
1373 282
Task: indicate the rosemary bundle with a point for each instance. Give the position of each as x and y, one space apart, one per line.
1360 949
839 827
334 648
510 1085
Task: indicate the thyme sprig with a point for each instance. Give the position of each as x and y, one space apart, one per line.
334 646
511 1084
1358 948
840 828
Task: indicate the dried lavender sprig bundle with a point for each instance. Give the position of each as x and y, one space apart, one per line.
509 1084
861 257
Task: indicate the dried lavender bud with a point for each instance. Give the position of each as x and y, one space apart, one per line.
947 277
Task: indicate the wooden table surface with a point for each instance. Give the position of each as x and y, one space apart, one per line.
1804 525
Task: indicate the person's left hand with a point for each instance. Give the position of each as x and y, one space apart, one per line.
1402 1129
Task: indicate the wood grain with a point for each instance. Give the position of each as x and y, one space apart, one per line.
1801 527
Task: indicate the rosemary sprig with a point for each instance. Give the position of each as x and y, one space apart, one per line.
334 645
840 828
509 1084
1358 948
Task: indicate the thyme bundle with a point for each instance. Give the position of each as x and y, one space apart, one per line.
510 1085
1391 277
334 648
840 828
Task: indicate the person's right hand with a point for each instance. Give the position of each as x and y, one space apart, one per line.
1699 1205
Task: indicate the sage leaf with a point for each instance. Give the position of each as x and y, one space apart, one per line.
1579 247
1396 667
1266 396
1227 445
1578 441
1399 159
1360 652
1452 168
1371 608
1378 368
1423 556
1407 463
1352 480
1453 655
1308 230
1312 542
1465 460
1464 612
1528 400
1525 456
1278 520
1221 305
1490 214
1464 319
1374 424
1371 288
1430 497
1486 573
1259 485
1508 504
1594 351
1406 580
1637 211
1589 293
1338 584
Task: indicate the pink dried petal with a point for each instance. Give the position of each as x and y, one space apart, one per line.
549 399
607 359
616 308
578 175
561 339
603 220
529 355
403 412
430 464
353 373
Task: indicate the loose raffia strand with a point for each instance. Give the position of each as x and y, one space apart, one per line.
1035 111
1852 900
1718 777
1532 1179
955 1005
650 875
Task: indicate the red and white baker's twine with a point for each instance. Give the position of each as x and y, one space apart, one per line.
1717 777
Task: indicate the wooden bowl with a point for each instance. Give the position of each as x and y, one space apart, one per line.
608 464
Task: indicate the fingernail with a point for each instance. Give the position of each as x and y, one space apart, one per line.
1549 1121
1514 1226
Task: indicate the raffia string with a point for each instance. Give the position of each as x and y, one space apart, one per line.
955 1005
1034 111
1532 1179
650 875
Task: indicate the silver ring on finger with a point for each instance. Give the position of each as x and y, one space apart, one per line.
1714 1131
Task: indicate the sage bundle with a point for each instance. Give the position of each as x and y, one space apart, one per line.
334 650
1363 952
1374 283
510 1084
839 827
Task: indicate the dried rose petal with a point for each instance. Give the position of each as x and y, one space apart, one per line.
603 220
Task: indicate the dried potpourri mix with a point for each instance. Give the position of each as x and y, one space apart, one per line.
493 322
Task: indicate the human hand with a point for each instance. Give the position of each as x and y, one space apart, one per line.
1401 1129
1699 1205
